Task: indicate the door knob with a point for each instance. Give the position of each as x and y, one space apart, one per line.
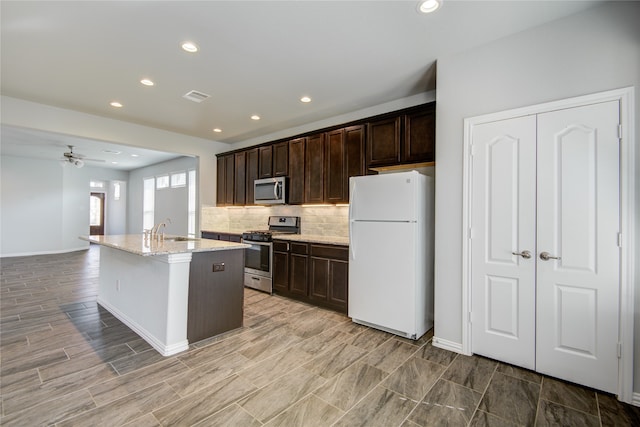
546 257
523 254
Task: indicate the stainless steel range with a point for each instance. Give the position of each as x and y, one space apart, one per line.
258 258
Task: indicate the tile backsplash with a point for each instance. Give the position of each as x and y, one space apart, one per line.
316 220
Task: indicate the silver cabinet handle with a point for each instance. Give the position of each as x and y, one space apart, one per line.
523 254
546 257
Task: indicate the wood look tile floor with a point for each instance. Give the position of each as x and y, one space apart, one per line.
67 362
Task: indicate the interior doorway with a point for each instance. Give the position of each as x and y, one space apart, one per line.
96 214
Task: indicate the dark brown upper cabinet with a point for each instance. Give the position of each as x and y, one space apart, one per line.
419 136
253 162
220 178
319 165
266 162
281 158
274 160
354 137
314 169
406 138
335 167
226 180
383 142
297 149
240 187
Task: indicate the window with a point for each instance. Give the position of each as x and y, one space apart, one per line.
191 227
162 181
148 203
178 179
116 191
96 184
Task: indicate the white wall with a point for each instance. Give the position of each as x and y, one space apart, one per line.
594 51
30 115
45 207
169 202
116 210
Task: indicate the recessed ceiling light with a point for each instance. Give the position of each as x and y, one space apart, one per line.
428 6
147 82
217 130
115 104
114 163
255 117
305 99
135 155
189 47
112 151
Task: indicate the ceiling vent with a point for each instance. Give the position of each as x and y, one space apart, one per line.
196 96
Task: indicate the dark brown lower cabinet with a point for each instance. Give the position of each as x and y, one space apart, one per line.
314 273
215 298
280 267
227 237
299 269
329 276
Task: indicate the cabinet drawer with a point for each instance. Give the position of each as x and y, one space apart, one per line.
210 235
280 246
333 252
299 248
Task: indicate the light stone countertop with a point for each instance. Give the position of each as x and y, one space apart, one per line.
313 238
138 244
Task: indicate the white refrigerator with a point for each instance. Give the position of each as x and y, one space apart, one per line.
391 220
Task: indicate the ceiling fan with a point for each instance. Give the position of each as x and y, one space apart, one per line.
76 159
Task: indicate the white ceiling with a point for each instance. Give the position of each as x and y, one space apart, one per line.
256 57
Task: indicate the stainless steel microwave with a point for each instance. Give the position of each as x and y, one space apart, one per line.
270 191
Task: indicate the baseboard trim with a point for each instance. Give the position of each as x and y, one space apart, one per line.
447 345
163 349
60 251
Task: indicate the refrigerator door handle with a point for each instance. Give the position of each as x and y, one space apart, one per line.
352 244
352 203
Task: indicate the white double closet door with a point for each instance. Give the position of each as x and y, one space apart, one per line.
545 254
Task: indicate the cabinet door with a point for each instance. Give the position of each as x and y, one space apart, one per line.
281 267
335 168
229 176
210 235
281 159
338 284
383 142
296 171
419 136
253 157
314 169
266 161
299 265
354 153
220 178
319 279
240 176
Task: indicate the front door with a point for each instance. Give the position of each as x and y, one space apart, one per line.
548 184
96 214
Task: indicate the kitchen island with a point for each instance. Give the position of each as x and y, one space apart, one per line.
171 291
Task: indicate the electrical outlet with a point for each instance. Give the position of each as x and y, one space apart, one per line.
218 266
118 285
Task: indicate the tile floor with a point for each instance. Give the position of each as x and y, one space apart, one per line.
67 362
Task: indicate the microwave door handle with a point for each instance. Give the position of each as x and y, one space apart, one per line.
276 190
